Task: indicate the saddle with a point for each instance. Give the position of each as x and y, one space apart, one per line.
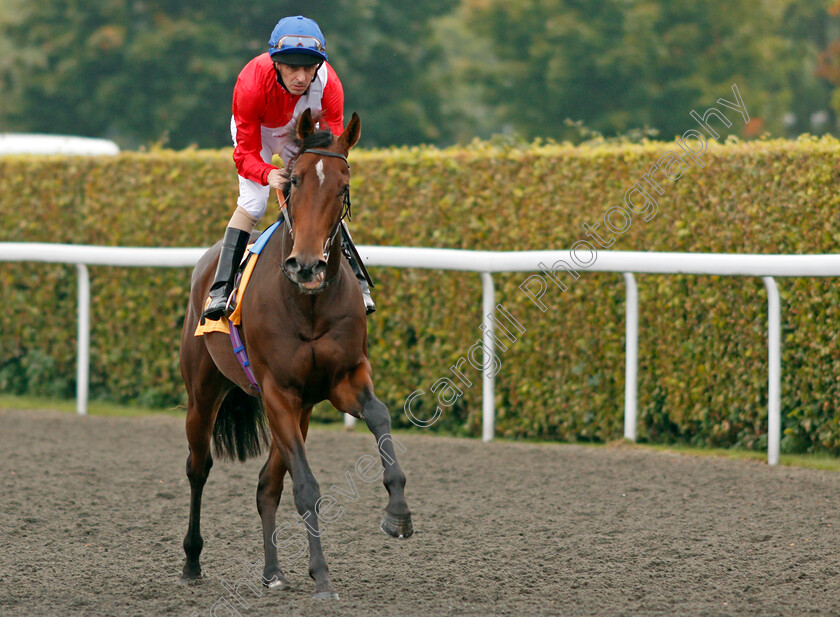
241 280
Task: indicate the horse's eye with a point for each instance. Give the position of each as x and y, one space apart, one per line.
294 180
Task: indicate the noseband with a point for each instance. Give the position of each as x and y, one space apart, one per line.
345 212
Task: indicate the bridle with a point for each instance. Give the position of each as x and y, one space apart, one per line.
345 213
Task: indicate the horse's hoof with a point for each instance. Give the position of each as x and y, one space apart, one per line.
278 582
325 595
397 525
191 573
185 580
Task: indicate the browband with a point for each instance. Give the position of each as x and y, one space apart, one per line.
326 153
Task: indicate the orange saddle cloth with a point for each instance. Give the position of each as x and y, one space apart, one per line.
221 325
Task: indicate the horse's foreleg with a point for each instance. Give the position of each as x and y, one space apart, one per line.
284 416
397 519
354 395
269 489
199 462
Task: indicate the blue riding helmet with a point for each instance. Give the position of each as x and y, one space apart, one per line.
297 41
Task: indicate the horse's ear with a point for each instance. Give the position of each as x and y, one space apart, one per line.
305 125
351 134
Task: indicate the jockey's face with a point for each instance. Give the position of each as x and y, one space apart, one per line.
296 78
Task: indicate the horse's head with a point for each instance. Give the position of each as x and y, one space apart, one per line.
320 191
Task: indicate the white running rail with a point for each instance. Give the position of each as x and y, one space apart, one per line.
485 263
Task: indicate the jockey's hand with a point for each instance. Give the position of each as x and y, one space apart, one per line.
278 178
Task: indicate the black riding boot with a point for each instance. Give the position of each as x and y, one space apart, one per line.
349 252
233 247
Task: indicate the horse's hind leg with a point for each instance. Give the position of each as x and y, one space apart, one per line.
199 462
269 489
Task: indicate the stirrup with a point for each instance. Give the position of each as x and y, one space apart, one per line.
216 307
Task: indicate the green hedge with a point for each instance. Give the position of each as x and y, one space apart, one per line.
702 345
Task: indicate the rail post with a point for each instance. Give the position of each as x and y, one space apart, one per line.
83 340
488 395
774 376
631 356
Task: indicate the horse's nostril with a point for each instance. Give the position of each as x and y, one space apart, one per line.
302 270
292 265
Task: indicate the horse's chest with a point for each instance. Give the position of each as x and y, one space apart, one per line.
318 363
328 355
310 358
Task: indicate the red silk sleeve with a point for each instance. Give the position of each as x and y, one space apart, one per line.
247 113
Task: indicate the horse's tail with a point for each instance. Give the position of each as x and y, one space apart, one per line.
240 431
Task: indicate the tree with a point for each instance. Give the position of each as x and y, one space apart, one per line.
162 70
146 71
134 71
618 64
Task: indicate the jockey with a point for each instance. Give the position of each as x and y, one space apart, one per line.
270 94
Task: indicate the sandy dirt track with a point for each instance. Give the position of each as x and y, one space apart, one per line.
93 512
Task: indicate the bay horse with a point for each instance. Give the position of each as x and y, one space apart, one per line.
305 331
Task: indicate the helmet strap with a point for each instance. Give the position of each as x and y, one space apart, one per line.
279 78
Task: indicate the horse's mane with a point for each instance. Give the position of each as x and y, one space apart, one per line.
318 139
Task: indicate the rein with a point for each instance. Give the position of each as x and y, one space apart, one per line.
345 213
